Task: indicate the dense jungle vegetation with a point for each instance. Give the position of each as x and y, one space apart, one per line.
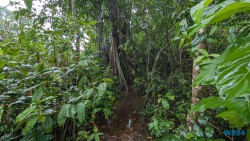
66 63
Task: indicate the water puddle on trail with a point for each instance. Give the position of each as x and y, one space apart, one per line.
128 125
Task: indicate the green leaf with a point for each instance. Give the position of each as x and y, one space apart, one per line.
183 25
102 88
88 103
233 118
198 39
97 137
204 52
199 59
213 15
214 55
1 52
108 80
228 10
181 42
209 131
238 113
63 114
2 76
89 92
81 82
155 124
72 111
190 136
1 112
165 103
176 31
159 100
81 112
216 14
170 95
206 75
211 40
30 124
197 130
248 133
230 71
107 112
46 99
209 102
175 39
28 3
212 31
92 136
84 63
26 113
96 110
37 95
233 73
231 38
201 120
2 63
47 125
82 135
197 10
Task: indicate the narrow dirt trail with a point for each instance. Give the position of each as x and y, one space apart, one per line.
128 125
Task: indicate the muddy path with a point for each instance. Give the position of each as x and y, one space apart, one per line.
129 125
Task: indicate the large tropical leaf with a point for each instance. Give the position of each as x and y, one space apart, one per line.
228 9
102 88
238 113
215 13
37 95
208 103
197 10
63 114
47 125
81 112
233 74
30 124
26 113
230 71
206 76
232 117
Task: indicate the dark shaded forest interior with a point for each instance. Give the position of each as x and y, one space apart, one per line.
124 70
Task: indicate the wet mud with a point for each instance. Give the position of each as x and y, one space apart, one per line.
128 125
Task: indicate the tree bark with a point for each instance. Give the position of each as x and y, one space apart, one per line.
198 92
118 59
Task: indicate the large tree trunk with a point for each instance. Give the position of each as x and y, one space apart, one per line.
102 47
198 92
115 35
118 59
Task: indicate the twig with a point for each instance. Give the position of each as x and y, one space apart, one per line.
14 138
4 6
219 130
